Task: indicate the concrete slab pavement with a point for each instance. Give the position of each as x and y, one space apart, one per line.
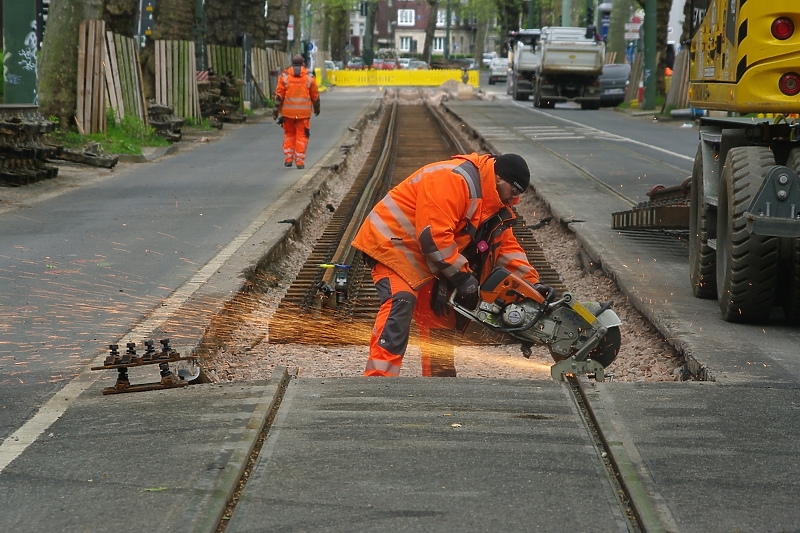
427 455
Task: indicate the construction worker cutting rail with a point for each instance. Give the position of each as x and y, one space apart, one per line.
441 253
295 96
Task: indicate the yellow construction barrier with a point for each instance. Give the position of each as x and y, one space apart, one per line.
397 78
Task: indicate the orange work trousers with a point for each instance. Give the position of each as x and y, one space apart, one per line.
389 340
295 139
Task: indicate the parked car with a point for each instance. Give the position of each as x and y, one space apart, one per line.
330 65
416 64
389 64
403 62
356 63
614 84
498 70
487 58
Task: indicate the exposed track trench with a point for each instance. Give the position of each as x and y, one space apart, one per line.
410 136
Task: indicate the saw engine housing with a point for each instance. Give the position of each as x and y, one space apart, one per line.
581 337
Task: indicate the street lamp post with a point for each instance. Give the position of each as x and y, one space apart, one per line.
530 13
447 33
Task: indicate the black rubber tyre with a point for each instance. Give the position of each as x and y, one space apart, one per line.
791 291
702 258
747 264
491 80
608 348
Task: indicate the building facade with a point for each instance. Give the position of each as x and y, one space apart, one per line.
399 25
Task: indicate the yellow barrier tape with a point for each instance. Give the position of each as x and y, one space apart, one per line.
397 78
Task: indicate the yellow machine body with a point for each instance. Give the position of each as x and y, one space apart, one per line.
736 63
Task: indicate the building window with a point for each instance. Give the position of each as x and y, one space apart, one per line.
405 17
438 44
405 44
441 18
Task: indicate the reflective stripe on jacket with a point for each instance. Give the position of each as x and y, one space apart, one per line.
296 91
423 225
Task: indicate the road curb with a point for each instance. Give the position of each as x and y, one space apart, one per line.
148 154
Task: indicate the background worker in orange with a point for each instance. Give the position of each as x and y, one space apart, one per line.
446 226
295 96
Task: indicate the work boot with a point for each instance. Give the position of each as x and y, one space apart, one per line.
287 163
301 166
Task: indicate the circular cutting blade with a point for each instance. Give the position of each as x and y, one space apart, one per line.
607 349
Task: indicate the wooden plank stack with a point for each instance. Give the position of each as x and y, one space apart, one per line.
109 75
636 77
91 105
176 79
124 77
224 59
678 96
276 62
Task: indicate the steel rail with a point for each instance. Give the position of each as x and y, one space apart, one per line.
375 184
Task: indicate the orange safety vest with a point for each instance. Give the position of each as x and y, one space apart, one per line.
296 91
423 226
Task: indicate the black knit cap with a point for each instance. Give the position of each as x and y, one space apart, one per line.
513 169
298 60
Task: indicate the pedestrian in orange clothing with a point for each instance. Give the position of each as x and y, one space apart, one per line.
295 96
442 229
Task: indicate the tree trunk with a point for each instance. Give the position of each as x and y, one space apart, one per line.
226 19
430 28
480 37
58 73
173 20
620 13
340 32
662 23
120 16
277 20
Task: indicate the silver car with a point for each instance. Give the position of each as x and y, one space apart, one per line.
498 70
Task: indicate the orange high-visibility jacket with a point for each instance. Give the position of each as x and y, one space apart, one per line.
422 226
296 92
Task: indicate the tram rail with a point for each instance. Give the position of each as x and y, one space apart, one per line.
316 293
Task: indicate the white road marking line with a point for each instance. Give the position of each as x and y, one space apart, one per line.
17 442
625 139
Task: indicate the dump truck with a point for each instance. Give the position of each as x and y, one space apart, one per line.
523 62
744 225
571 61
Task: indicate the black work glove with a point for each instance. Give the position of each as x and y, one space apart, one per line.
468 293
439 297
275 114
547 291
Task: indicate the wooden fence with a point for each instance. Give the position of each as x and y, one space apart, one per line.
176 78
109 75
124 78
678 95
222 59
91 108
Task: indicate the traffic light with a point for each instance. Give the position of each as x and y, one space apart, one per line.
364 7
589 14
